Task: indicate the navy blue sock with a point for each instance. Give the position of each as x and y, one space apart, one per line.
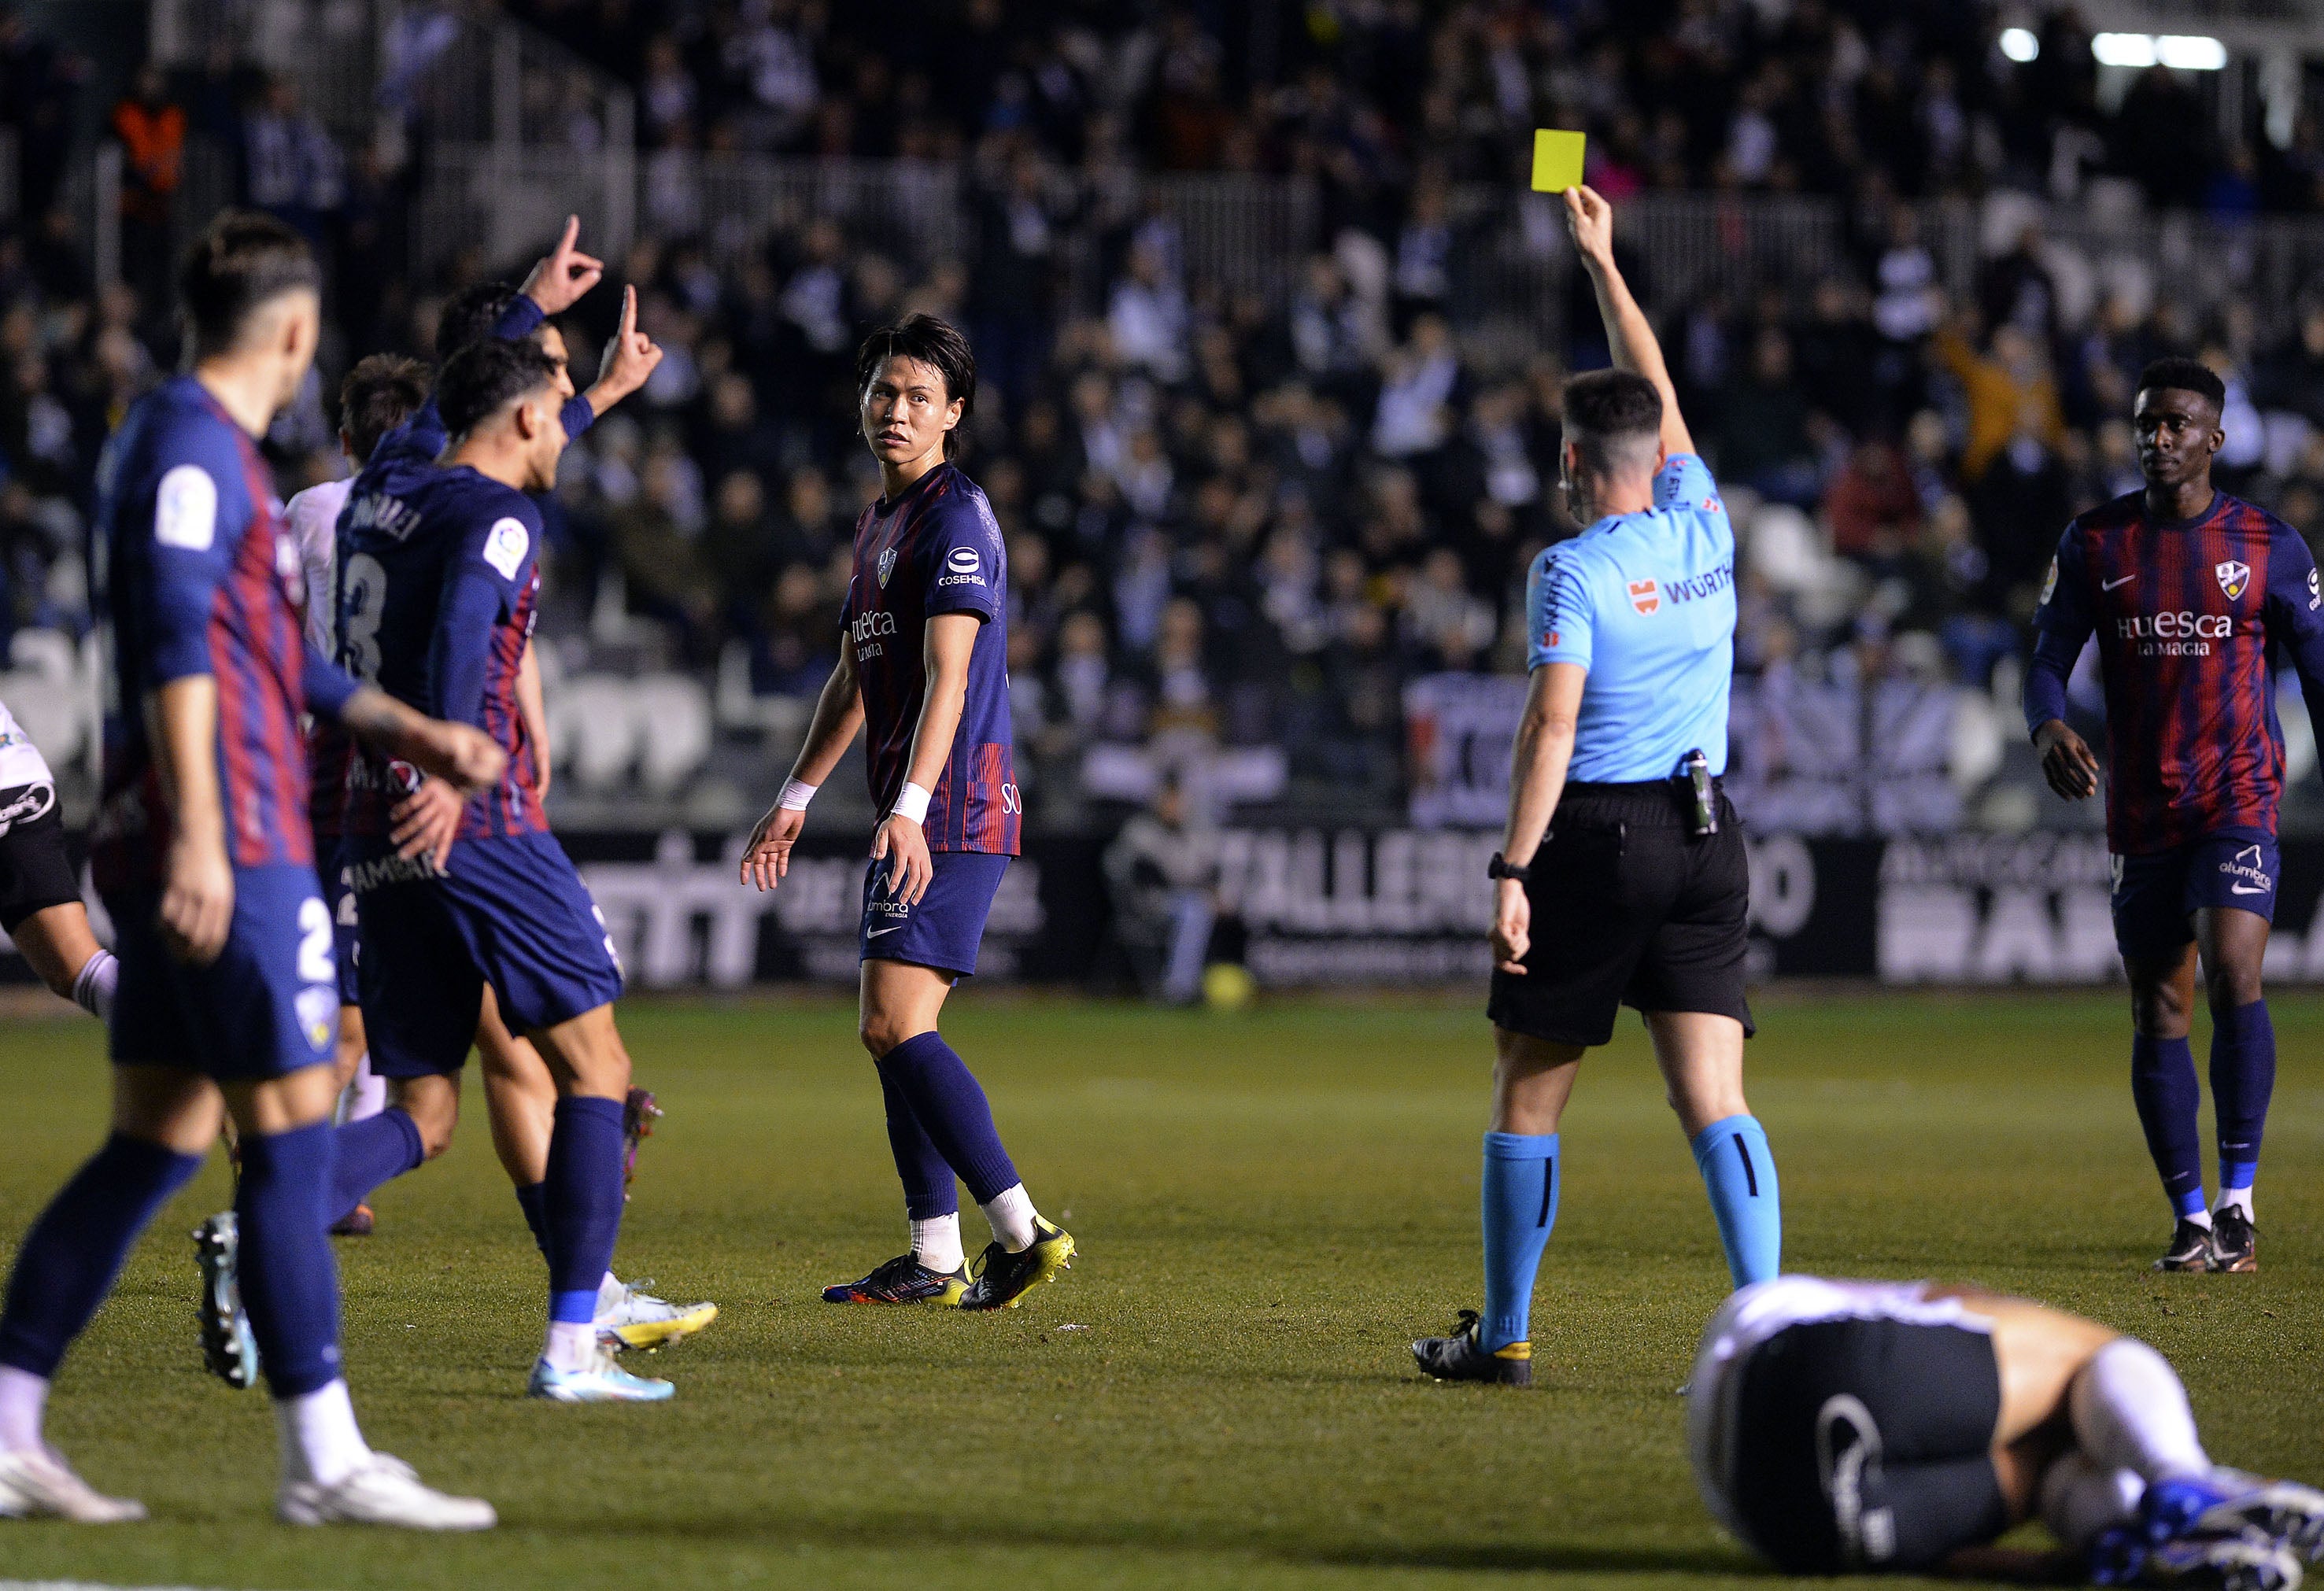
377 1149
533 1200
2243 1077
290 1282
1738 1173
582 1207
2163 1086
952 1109
75 1250
930 1189
1520 1201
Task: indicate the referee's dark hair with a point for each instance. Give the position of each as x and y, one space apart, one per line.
484 378
2182 375
241 262
933 342
1614 419
380 393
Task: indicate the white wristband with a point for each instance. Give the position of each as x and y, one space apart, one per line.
796 793
912 803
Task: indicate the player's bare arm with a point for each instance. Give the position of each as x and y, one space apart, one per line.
458 753
951 638
197 898
1537 764
1628 334
838 715
534 710
629 359
2068 762
565 275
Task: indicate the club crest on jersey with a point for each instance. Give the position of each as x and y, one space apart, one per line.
2232 577
887 565
1646 596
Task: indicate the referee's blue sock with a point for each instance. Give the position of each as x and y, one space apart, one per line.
367 1152
2243 1077
1738 1170
1520 1207
2163 1086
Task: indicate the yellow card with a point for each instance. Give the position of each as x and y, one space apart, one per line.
1556 160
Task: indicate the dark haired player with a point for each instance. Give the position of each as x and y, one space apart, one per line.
2193 595
923 668
202 853
1636 893
41 908
438 588
1870 1427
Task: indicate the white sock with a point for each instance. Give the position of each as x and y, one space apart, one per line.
93 985
2130 1412
572 1344
2238 1196
609 1293
1010 1211
320 1441
366 1091
2080 1500
2201 1217
936 1244
22 1397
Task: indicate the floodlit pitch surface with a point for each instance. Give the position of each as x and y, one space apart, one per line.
1268 1205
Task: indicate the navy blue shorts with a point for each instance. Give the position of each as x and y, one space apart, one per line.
2156 897
266 1007
944 928
336 864
509 912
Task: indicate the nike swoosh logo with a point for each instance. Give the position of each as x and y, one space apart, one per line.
2247 889
876 932
2110 584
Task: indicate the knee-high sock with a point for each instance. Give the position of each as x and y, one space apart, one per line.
952 1112
1739 1171
367 1152
75 1250
2080 1501
930 1191
2243 1077
2129 1411
533 1200
290 1282
583 1207
2163 1086
1520 1207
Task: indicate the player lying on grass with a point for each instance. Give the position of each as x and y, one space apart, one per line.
1848 1427
437 590
923 669
202 853
40 908
1622 877
2193 596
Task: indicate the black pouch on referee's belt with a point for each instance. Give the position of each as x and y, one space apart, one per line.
1702 795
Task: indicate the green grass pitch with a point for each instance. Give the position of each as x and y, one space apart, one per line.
1268 1205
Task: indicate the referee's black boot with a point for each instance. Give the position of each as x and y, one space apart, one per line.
1457 1357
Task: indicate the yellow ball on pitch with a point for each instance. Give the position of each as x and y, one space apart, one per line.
1227 987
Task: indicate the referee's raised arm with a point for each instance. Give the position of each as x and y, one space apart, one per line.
1591 219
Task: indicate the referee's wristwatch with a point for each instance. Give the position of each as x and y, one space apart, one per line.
1497 868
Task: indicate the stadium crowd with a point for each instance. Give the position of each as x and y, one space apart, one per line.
1236 520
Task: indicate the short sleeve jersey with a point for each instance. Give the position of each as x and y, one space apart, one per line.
1645 601
2189 618
438 586
934 549
313 517
198 577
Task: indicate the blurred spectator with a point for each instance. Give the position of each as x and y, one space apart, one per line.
151 130
290 167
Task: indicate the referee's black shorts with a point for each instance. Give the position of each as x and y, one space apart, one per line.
1630 908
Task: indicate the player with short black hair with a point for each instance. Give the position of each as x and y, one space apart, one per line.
923 670
202 853
1621 878
1877 1427
2192 595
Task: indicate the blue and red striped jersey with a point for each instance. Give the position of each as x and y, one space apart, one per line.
198 576
440 582
935 549
2192 619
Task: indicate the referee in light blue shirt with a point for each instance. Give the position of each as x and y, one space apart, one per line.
1621 878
